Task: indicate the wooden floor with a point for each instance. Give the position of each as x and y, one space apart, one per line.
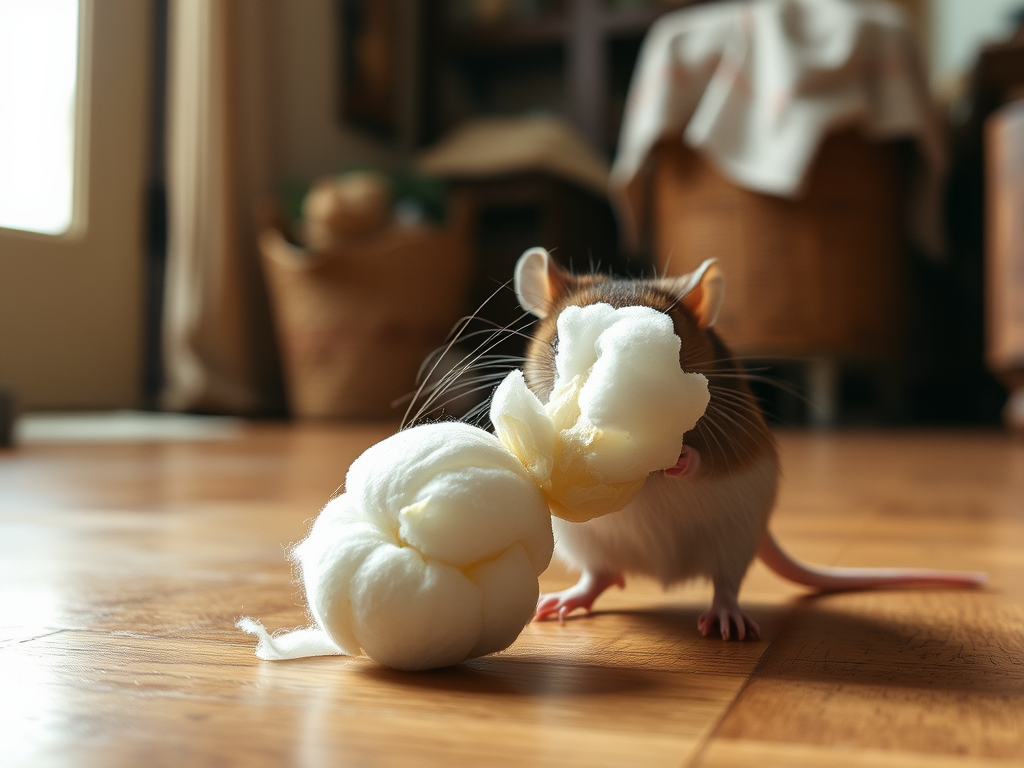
124 567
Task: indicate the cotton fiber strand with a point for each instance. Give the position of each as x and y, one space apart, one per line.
617 412
431 555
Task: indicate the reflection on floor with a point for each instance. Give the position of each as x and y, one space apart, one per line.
123 427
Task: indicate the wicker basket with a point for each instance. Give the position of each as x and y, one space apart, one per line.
355 323
823 276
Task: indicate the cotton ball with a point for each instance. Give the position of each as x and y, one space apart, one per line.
431 555
618 409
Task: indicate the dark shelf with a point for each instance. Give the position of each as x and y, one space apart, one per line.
501 37
506 36
634 22
589 45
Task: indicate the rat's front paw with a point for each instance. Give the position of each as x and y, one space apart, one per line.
688 463
581 595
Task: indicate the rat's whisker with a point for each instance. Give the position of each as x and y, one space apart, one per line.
480 353
741 427
456 333
459 333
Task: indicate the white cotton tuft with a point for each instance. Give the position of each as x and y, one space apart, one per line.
618 410
311 641
431 555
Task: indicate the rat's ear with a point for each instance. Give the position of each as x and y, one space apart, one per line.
702 292
538 279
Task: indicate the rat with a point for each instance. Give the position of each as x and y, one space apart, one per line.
706 516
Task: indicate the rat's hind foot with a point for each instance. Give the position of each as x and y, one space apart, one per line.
581 595
726 620
725 612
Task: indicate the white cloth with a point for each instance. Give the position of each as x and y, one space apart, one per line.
756 86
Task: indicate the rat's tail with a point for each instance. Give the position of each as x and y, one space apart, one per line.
845 579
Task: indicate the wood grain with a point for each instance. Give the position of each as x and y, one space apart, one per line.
123 568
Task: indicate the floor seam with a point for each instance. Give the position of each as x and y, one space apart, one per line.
23 640
698 755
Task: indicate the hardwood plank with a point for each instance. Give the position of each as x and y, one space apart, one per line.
126 691
892 671
123 568
743 754
918 673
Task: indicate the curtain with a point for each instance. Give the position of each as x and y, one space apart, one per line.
219 350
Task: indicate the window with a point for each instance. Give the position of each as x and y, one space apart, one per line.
38 115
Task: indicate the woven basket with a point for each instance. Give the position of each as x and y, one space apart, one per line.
822 276
355 323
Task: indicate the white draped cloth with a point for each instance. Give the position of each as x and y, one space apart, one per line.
756 86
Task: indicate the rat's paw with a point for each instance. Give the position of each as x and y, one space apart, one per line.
581 595
687 464
561 604
726 619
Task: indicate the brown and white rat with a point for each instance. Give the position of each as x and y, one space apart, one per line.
708 515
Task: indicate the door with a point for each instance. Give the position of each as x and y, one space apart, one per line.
71 314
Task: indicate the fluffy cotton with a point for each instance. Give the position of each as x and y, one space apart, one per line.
617 412
431 555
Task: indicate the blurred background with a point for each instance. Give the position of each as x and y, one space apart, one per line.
277 209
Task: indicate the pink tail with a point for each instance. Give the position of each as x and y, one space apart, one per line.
846 579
